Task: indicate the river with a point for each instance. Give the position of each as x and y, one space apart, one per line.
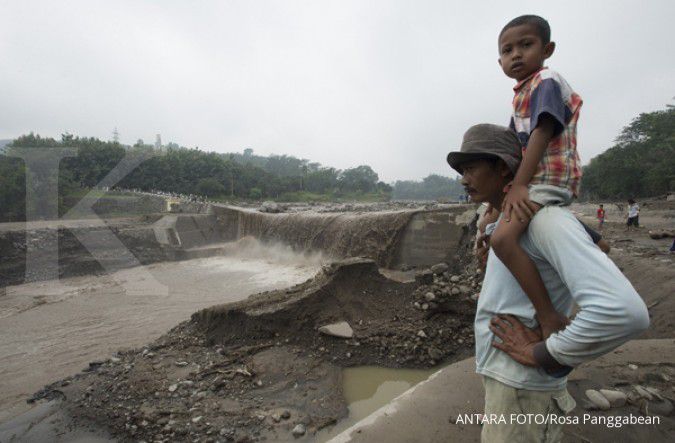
50 330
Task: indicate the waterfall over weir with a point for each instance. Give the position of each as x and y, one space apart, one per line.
391 238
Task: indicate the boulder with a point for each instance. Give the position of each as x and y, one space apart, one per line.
598 400
425 277
270 207
340 329
616 399
439 268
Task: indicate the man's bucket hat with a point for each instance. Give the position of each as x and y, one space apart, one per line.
486 140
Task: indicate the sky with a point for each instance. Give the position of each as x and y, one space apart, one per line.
391 84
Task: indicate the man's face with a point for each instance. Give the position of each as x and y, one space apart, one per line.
522 52
482 180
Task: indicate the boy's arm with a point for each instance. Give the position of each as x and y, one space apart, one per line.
518 198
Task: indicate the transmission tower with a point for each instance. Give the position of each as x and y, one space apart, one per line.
116 135
158 142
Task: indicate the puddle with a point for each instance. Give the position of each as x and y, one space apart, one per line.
368 388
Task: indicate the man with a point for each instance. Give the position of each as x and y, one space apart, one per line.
522 373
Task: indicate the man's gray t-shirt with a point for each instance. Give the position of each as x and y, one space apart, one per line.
574 270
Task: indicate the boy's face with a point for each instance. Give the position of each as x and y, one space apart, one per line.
522 52
483 181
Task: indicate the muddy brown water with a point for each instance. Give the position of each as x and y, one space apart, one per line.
50 330
368 388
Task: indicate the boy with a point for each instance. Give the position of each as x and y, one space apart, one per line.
633 214
546 111
601 217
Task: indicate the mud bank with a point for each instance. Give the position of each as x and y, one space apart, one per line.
259 369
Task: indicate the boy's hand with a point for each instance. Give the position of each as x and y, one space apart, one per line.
481 249
550 323
517 201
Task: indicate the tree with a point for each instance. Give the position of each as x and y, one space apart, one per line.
362 178
641 163
210 187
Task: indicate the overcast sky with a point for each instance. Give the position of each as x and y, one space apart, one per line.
392 84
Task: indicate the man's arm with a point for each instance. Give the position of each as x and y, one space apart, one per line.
611 311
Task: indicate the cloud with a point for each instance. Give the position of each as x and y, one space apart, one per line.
392 84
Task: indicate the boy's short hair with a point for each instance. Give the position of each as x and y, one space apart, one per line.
543 28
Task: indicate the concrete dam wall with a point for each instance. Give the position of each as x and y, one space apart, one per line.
391 238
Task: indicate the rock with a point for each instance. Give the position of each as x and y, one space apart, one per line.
454 278
430 296
632 367
439 268
173 388
642 392
181 363
663 407
276 418
616 399
227 432
425 306
197 419
340 329
286 414
299 430
475 296
598 400
464 289
455 291
421 334
424 277
417 305
270 207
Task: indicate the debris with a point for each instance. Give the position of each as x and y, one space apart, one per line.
439 268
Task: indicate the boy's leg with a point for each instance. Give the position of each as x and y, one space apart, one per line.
505 243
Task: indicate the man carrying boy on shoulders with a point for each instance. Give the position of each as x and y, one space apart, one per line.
522 373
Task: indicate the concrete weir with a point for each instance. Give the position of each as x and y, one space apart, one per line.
392 238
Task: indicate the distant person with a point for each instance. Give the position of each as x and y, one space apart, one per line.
601 217
633 215
523 372
545 115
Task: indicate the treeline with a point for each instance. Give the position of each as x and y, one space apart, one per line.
433 187
640 164
180 170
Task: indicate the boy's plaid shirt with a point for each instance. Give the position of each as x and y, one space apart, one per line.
546 92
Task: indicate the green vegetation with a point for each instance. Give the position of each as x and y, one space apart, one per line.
640 164
180 170
433 187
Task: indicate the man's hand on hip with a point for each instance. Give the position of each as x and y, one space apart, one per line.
517 340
